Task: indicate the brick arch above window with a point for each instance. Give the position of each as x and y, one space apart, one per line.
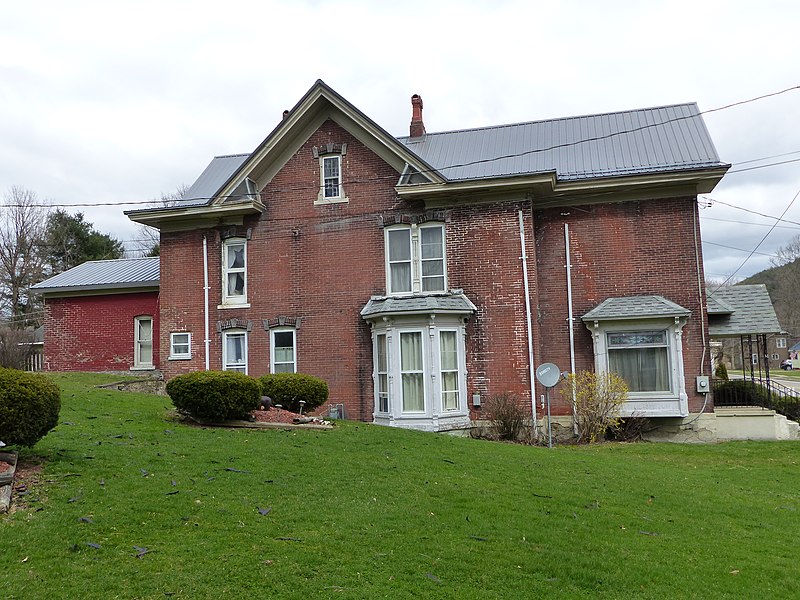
281 321
245 324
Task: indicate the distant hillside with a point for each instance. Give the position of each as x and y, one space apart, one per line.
783 285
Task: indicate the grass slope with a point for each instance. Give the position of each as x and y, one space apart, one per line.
372 512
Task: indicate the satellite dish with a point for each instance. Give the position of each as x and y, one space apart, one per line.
548 375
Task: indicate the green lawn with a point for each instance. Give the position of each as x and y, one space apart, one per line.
371 512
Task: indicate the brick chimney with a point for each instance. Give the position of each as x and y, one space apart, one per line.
417 126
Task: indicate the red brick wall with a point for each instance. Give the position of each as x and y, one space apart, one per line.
322 263
96 333
622 249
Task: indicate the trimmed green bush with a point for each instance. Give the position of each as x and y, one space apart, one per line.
288 389
740 392
215 395
29 407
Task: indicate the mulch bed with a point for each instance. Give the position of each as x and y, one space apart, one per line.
275 415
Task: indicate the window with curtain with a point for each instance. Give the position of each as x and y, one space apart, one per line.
448 361
641 358
234 257
234 351
416 259
382 372
399 250
411 371
283 351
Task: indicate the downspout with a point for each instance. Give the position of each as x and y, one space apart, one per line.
531 367
571 321
206 340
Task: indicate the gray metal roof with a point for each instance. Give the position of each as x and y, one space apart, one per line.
218 171
635 307
453 303
104 275
651 140
753 312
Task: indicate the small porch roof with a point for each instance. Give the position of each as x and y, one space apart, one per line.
751 312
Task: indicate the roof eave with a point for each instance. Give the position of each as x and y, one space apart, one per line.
178 217
98 289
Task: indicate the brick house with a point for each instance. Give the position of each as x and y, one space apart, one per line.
102 316
418 275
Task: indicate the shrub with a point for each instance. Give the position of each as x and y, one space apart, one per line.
721 371
598 398
741 392
507 417
215 395
288 389
29 407
788 407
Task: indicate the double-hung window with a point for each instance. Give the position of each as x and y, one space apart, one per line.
234 351
332 177
412 371
143 342
180 345
234 271
382 373
415 259
641 358
448 365
283 355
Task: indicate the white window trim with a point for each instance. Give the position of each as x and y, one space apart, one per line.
780 342
434 414
648 404
415 239
137 364
225 335
425 372
180 355
272 333
376 369
459 369
233 301
321 198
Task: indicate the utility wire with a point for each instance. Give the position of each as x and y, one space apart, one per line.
465 164
732 275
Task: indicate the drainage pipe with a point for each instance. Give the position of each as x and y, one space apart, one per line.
571 321
206 340
528 319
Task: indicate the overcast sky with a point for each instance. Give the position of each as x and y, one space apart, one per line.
121 101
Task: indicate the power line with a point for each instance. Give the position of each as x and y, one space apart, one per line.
747 223
776 219
738 249
757 245
465 164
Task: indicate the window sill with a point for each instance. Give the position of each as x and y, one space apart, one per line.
181 357
143 368
224 306
323 201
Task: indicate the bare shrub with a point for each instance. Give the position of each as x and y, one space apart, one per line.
507 417
597 397
632 429
15 347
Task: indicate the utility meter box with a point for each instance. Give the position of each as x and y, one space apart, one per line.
703 384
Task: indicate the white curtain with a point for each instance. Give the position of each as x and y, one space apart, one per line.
411 369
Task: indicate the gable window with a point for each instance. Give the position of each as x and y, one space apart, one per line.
282 351
234 271
143 342
641 359
180 345
415 259
780 342
234 351
332 176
